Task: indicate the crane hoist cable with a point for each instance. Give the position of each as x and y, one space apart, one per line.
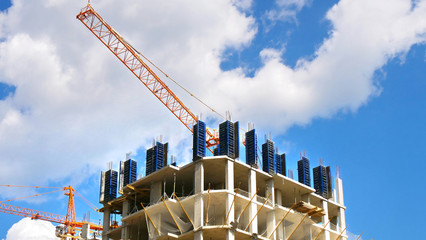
35 195
87 202
133 60
168 76
20 186
176 82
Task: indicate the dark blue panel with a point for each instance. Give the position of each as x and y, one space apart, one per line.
111 185
130 172
277 160
283 165
199 141
251 148
156 157
227 139
268 156
304 171
322 182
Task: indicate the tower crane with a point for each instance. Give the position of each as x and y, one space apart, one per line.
132 59
69 222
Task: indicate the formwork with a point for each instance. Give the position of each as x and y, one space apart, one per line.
222 198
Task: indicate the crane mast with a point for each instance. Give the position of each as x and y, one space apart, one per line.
69 221
133 61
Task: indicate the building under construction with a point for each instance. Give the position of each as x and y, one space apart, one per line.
212 197
221 197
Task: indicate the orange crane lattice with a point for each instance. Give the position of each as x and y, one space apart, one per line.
69 221
133 61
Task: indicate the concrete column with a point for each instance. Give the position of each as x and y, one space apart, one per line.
324 219
339 191
341 213
279 201
85 231
253 207
125 230
125 210
307 229
198 235
198 201
278 197
342 220
199 177
155 194
106 222
270 215
229 185
306 197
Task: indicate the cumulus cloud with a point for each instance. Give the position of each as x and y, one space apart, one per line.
31 229
286 10
76 107
365 35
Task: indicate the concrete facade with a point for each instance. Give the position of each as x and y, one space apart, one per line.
222 198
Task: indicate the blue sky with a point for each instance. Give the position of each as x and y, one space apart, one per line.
374 132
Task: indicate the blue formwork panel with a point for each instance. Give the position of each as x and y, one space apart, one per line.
101 188
277 160
236 140
111 184
304 171
329 183
227 139
251 148
199 141
130 172
216 151
159 163
156 157
150 161
268 156
319 180
322 181
283 165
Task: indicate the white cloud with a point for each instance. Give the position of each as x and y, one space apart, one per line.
31 229
76 107
286 10
244 5
365 36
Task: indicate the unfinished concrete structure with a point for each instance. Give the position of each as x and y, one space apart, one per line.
222 198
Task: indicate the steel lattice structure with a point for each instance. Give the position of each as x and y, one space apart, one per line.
31 213
69 220
132 60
